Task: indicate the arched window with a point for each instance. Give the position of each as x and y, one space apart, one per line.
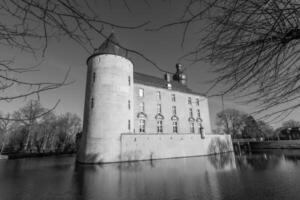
142 125
159 126
175 127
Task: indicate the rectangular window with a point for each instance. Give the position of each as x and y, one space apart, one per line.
158 95
129 105
175 127
141 92
158 108
173 98
159 126
190 100
142 107
198 113
192 128
197 101
174 110
142 125
191 112
129 124
94 77
92 103
129 81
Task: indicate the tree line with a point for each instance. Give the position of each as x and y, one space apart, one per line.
239 124
35 129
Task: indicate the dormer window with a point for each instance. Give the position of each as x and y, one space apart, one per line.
141 92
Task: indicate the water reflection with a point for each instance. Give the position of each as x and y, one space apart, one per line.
158 179
262 175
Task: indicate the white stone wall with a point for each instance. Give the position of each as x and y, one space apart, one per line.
182 107
104 123
154 146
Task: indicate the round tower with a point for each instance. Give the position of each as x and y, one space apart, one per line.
108 110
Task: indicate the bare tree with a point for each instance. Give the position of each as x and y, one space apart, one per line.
254 46
4 128
290 124
28 116
231 121
29 25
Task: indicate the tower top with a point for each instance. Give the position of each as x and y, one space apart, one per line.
111 46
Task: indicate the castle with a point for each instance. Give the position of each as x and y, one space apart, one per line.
131 116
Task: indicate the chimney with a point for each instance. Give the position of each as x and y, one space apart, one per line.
168 79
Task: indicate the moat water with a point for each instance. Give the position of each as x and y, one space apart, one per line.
264 175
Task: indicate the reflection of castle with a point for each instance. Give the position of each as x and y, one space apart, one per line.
133 116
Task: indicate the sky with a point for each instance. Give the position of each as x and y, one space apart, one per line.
162 47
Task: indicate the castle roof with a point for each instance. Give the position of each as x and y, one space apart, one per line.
145 79
111 46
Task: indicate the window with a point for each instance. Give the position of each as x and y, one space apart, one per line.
190 100
175 127
198 113
94 77
142 107
142 125
158 95
158 108
197 102
92 103
191 112
141 92
192 127
129 105
159 126
129 124
174 110
173 98
129 82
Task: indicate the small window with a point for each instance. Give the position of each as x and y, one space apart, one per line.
198 113
158 95
142 107
190 100
192 127
129 105
158 108
94 77
141 92
173 98
92 103
191 112
159 126
129 81
174 110
129 124
142 125
197 101
175 127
